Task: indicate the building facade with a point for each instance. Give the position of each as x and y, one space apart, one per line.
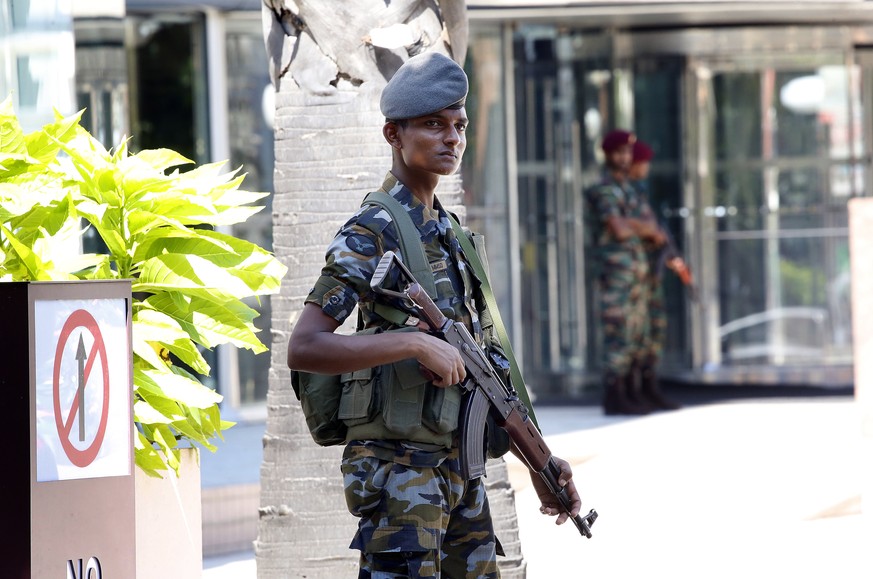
760 118
199 84
759 114
189 76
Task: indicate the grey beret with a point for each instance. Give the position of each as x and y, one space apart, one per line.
424 84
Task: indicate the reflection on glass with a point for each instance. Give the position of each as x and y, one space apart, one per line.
484 171
784 147
28 87
740 195
811 324
251 148
738 116
168 97
37 60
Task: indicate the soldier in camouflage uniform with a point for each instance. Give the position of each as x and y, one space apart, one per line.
418 516
645 365
623 270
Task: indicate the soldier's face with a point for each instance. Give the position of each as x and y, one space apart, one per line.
620 159
639 170
435 143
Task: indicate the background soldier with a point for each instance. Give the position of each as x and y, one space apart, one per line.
622 273
645 365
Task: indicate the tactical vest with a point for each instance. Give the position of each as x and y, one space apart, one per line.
396 401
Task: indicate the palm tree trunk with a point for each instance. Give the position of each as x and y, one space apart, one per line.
329 154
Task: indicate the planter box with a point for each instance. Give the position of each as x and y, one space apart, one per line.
169 536
68 483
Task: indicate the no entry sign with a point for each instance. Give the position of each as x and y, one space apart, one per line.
83 389
81 323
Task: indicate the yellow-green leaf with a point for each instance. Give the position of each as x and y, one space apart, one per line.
185 390
210 324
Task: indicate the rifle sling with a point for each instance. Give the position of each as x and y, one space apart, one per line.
413 255
491 305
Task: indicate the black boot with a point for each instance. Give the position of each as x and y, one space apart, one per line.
635 389
615 396
652 391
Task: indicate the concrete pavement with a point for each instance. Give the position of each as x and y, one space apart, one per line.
757 488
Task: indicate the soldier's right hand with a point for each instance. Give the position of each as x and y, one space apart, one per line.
441 360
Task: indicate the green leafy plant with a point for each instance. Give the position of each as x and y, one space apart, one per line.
161 230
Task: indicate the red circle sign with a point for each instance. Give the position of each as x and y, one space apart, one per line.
80 319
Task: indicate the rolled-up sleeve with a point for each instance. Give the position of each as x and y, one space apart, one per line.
604 203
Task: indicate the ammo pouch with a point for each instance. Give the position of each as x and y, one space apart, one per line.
410 401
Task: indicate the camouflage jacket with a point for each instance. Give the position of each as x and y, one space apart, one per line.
604 200
359 245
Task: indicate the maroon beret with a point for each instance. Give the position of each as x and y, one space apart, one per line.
617 138
642 152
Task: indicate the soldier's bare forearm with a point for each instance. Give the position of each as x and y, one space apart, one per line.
315 347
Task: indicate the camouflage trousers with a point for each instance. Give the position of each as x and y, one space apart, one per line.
624 301
418 521
653 341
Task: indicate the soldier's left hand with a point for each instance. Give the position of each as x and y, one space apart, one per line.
549 503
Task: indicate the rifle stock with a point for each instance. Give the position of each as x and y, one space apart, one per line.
486 392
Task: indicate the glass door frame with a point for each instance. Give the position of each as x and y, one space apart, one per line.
700 190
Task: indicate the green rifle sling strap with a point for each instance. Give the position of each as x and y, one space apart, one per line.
491 305
413 256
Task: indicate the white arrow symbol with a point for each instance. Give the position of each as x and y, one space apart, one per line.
81 356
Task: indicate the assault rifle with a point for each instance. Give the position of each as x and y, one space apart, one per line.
671 258
484 392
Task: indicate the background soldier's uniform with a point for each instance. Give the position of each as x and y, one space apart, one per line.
653 342
419 518
622 282
647 360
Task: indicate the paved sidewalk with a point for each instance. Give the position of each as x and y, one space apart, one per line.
758 489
